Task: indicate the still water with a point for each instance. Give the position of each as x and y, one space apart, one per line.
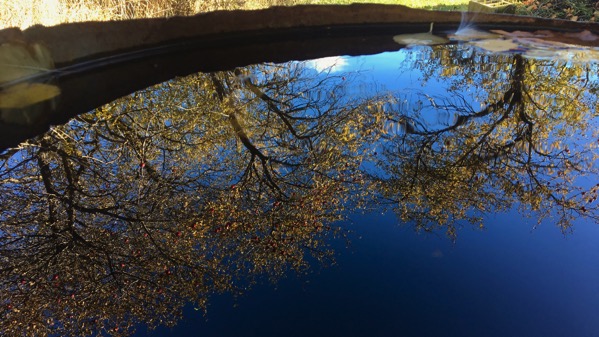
440 190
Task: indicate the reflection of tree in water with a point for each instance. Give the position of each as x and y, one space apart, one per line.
205 183
527 143
195 186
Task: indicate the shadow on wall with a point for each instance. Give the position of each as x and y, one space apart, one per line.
97 62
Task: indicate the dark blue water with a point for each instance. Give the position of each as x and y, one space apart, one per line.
483 137
513 279
508 280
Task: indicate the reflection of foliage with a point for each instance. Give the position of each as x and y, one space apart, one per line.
522 145
188 188
205 183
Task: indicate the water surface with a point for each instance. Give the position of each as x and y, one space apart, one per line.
434 191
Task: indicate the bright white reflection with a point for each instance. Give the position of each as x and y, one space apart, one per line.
332 64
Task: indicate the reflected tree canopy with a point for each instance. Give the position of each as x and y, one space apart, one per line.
185 189
207 183
510 131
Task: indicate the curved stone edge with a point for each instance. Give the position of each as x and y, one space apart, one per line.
348 30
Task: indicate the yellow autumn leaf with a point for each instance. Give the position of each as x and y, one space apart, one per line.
18 60
25 94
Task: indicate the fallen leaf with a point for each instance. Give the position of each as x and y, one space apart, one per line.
19 60
25 94
495 45
585 35
470 34
421 39
519 33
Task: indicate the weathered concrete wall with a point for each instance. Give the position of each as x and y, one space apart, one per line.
69 42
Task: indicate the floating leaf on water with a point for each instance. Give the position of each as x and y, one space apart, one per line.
19 60
470 34
496 45
585 35
519 33
25 94
541 54
422 39
542 44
